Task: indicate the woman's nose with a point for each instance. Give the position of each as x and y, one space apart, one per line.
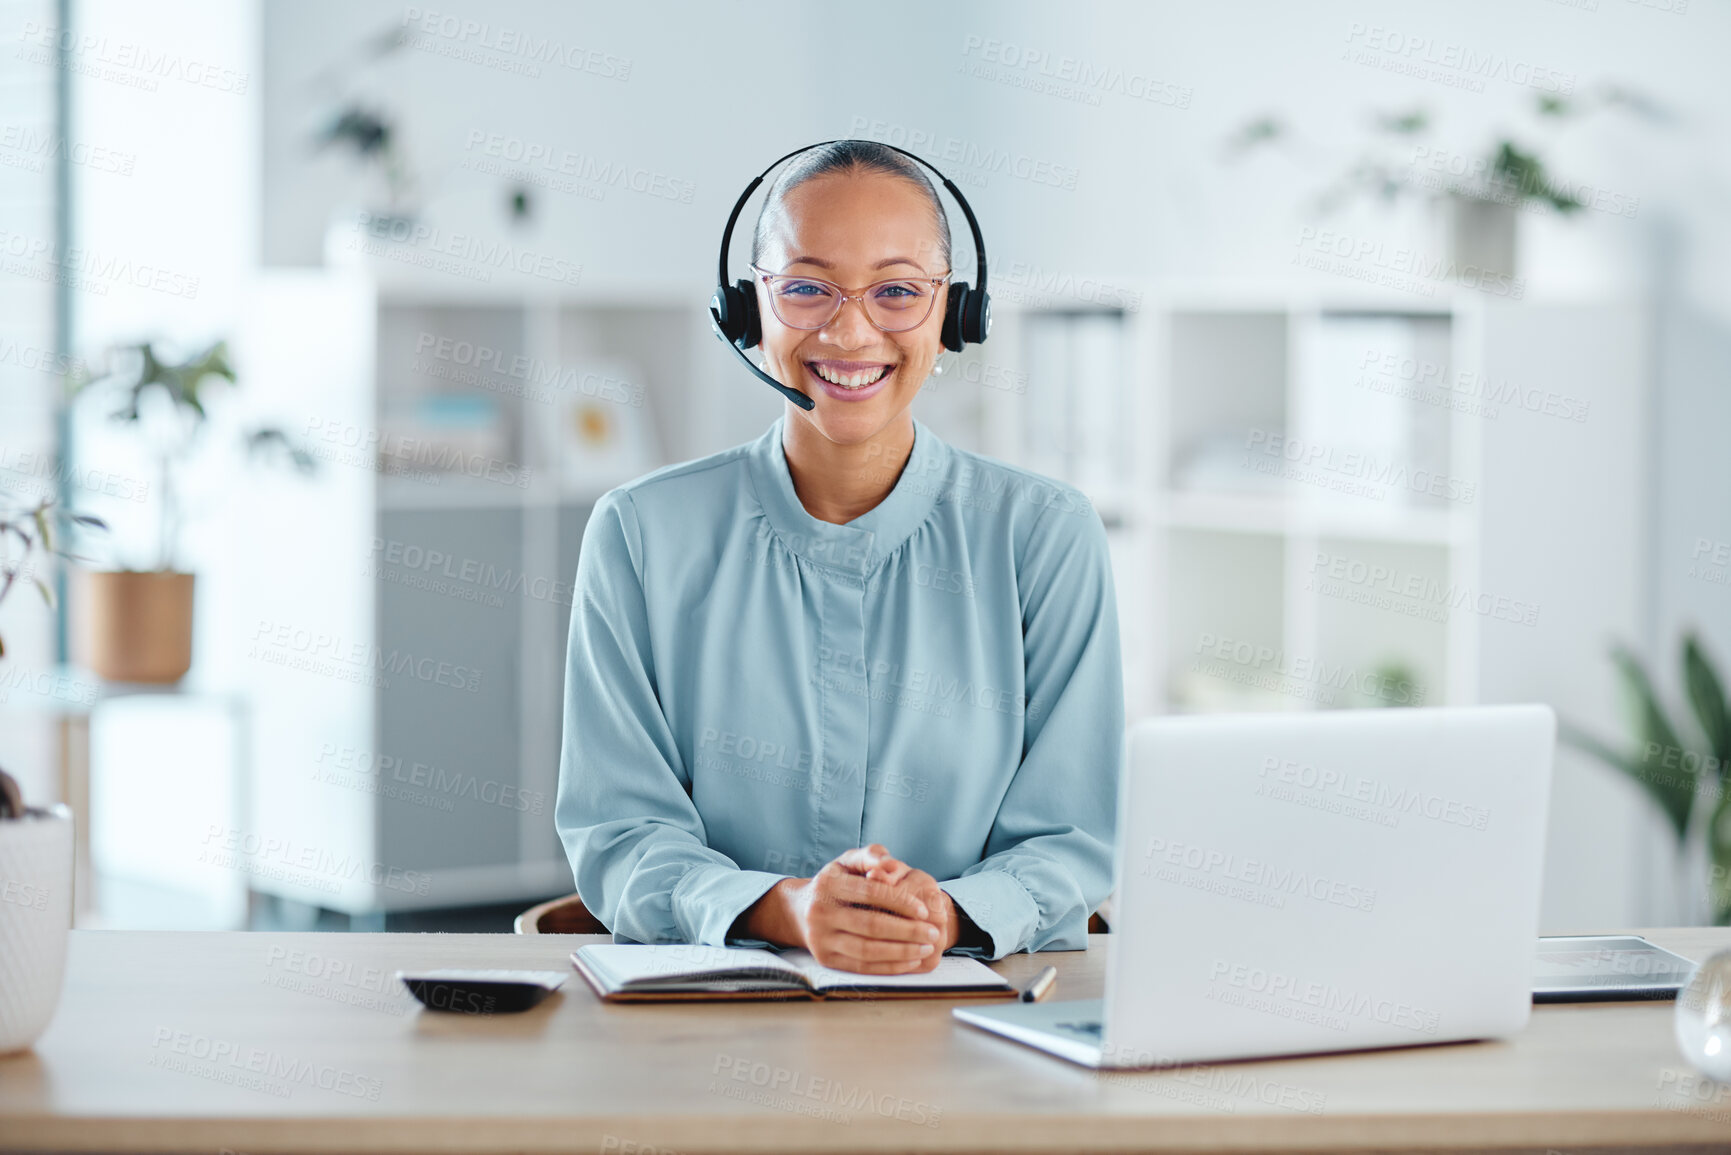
850 327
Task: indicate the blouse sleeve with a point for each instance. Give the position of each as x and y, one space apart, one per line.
1048 861
623 808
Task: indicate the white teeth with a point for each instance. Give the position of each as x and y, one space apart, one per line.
851 380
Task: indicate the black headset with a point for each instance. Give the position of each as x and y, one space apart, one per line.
733 309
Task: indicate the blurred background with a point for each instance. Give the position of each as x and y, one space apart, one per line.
1391 341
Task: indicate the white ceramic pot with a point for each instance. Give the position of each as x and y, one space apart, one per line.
1479 237
35 917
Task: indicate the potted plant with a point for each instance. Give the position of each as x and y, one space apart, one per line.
1474 194
1685 774
36 845
35 913
372 138
135 625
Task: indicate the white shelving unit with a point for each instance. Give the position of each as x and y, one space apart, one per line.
1285 413
417 732
1211 559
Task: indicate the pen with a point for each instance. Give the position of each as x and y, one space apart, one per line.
1041 986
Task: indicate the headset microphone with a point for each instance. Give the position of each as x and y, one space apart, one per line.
733 311
793 395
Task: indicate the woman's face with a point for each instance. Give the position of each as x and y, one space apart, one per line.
854 230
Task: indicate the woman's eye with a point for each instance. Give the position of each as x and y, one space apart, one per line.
803 289
900 289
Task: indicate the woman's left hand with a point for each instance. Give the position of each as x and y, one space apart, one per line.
944 914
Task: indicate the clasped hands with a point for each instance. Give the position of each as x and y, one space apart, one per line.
865 911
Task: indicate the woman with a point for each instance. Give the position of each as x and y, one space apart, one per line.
845 687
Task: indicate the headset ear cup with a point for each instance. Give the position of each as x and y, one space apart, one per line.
726 310
951 334
731 308
976 316
750 324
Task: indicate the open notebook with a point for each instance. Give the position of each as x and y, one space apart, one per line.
627 972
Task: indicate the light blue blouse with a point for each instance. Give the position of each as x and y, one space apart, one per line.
751 690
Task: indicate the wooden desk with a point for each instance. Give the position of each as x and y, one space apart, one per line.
302 1042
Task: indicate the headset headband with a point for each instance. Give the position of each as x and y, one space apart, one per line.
733 312
967 210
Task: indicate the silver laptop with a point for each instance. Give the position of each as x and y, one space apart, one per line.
1312 882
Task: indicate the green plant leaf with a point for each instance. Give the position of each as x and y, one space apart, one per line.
1404 123
152 371
45 590
364 131
1707 696
1254 133
1636 102
1719 848
182 382
1522 174
271 441
1672 788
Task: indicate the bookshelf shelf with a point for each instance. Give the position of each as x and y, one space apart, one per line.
1235 513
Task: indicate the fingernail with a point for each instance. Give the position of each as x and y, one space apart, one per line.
932 933
926 948
924 913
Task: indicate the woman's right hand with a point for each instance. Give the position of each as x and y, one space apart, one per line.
846 920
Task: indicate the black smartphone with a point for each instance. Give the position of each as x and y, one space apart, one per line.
480 992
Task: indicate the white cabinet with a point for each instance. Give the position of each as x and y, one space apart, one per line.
401 617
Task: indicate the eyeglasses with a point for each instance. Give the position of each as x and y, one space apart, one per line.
894 306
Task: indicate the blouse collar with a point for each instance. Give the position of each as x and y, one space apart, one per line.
859 546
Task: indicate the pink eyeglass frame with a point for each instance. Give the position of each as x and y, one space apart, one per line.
843 297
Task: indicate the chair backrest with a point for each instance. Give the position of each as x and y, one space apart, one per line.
565 915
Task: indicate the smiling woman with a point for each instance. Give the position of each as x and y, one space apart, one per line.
780 726
855 227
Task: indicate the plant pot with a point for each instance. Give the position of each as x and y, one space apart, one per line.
136 626
35 916
1476 235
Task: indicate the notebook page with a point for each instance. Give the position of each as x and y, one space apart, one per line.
951 971
626 964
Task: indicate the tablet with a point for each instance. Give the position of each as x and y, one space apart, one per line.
1585 968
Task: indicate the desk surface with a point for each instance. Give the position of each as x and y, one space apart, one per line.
283 1042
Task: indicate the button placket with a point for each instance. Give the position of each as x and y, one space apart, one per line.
844 668
837 561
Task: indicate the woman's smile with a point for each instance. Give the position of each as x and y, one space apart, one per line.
850 380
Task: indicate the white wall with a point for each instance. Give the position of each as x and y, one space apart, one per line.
739 83
182 222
